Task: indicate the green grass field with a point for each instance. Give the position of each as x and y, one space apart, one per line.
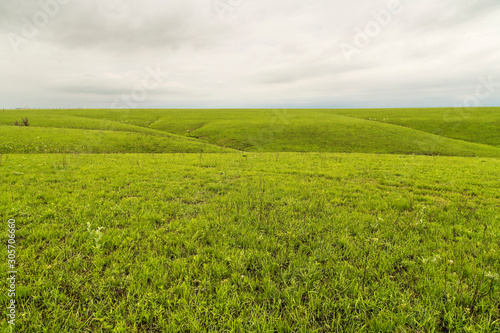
449 132
253 220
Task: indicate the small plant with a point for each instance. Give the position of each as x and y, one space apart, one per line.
24 122
420 216
96 234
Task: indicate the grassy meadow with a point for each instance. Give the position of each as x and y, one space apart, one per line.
253 220
448 132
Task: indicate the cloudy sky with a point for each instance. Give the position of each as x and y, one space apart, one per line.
249 53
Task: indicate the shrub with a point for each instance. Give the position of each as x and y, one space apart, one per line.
24 122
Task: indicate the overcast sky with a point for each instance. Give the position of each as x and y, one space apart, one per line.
249 53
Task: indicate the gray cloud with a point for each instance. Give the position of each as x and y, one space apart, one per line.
254 54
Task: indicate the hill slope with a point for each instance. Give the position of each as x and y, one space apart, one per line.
392 131
64 140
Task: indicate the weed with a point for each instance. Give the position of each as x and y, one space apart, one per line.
24 122
95 235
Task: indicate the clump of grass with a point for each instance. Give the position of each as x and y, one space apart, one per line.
24 122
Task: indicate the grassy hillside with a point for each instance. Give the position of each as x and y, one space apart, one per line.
32 139
480 125
401 131
258 242
315 131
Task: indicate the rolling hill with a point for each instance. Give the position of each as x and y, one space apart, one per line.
447 132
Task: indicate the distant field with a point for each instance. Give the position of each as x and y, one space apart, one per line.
254 242
480 125
449 132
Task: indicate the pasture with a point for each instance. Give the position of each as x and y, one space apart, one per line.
253 220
